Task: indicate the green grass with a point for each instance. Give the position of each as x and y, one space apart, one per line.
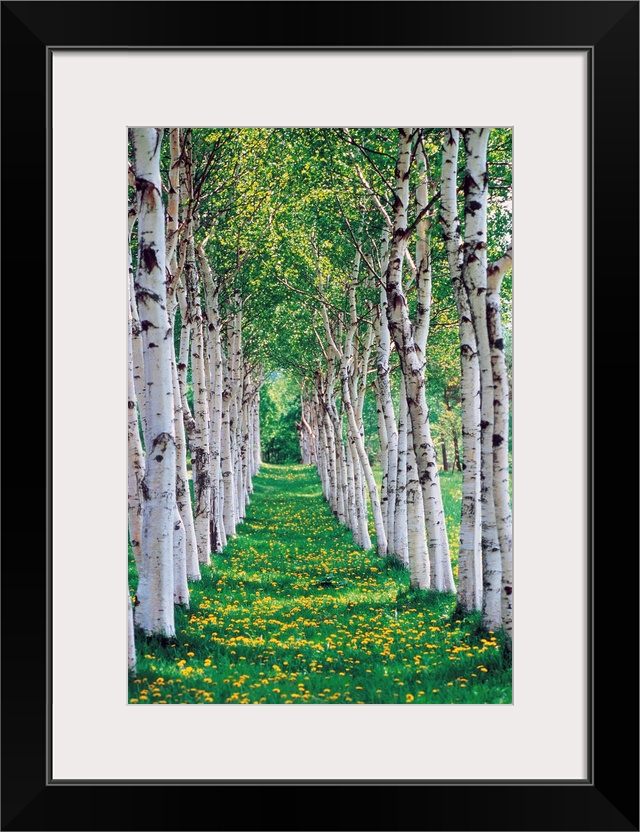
293 612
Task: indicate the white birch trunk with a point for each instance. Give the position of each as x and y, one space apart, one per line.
470 553
352 508
434 510
135 457
183 495
474 276
154 611
257 447
383 455
361 507
237 460
419 566
324 462
345 511
412 364
214 346
382 388
435 521
131 644
356 439
137 358
198 429
180 585
199 437
330 465
173 202
183 361
401 540
501 436
226 462
181 559
386 402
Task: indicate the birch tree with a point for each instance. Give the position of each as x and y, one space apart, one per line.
199 436
502 497
469 554
474 276
154 610
412 364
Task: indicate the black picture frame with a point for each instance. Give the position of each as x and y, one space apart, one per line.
608 798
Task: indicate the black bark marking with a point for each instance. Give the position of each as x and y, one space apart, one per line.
142 293
148 192
499 344
497 440
152 345
162 441
484 425
469 184
145 325
149 258
508 590
158 458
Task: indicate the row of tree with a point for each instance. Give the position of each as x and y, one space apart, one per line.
356 261
193 398
408 514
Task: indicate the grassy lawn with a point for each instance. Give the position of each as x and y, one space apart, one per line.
293 612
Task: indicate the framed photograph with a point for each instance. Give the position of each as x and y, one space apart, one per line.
564 78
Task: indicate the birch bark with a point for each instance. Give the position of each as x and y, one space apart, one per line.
131 644
401 540
199 428
154 611
412 365
474 276
214 339
199 437
502 497
470 553
419 566
135 456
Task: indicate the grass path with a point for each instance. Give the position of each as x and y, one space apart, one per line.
293 612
